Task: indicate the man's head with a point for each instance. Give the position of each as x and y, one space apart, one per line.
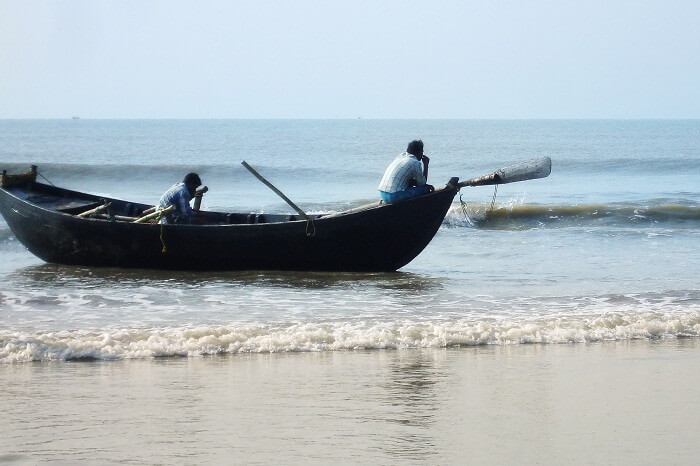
192 182
415 148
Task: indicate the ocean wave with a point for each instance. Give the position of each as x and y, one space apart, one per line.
62 174
613 163
17 347
514 215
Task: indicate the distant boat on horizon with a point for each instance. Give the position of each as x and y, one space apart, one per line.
75 117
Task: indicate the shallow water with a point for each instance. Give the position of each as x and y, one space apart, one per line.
564 315
575 257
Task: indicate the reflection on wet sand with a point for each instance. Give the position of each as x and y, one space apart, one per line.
412 395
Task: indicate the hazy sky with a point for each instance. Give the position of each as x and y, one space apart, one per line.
350 58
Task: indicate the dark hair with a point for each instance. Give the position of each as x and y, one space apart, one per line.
415 147
192 178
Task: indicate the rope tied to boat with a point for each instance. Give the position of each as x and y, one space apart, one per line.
46 179
493 200
465 210
162 241
312 233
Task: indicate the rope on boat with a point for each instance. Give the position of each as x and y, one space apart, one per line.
47 180
311 233
465 211
493 201
162 241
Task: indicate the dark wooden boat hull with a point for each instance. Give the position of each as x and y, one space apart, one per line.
378 238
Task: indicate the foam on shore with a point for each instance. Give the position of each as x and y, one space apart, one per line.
337 336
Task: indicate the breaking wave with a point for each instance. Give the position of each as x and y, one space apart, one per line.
529 215
16 347
64 174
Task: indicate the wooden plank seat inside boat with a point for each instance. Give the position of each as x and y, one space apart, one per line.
59 203
43 199
77 207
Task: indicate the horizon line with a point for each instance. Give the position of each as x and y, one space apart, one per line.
74 118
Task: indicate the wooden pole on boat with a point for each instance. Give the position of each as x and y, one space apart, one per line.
150 210
155 214
277 191
96 210
121 218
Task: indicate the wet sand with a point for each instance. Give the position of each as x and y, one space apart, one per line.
605 403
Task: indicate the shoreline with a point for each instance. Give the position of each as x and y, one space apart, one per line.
606 402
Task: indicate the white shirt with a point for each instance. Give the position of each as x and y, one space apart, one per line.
400 172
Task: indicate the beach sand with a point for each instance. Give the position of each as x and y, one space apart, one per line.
604 403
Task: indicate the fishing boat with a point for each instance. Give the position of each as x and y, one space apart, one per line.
75 228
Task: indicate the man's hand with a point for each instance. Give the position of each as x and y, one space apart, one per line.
426 161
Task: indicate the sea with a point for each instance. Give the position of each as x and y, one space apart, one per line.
554 320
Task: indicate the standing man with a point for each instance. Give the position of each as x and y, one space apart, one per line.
179 196
405 177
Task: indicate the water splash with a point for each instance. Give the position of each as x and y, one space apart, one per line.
65 345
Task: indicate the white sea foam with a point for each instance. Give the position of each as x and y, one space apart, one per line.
334 336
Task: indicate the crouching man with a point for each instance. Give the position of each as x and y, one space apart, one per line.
405 177
179 196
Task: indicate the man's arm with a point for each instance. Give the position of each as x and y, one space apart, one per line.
426 161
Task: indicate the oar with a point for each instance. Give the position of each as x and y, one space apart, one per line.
540 167
277 191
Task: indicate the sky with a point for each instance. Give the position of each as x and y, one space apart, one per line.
497 59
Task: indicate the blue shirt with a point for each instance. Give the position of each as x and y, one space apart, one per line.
179 197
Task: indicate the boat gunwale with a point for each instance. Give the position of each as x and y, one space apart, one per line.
318 217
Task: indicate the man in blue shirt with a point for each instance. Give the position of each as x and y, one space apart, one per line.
405 177
179 196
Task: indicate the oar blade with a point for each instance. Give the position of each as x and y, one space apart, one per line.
540 167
